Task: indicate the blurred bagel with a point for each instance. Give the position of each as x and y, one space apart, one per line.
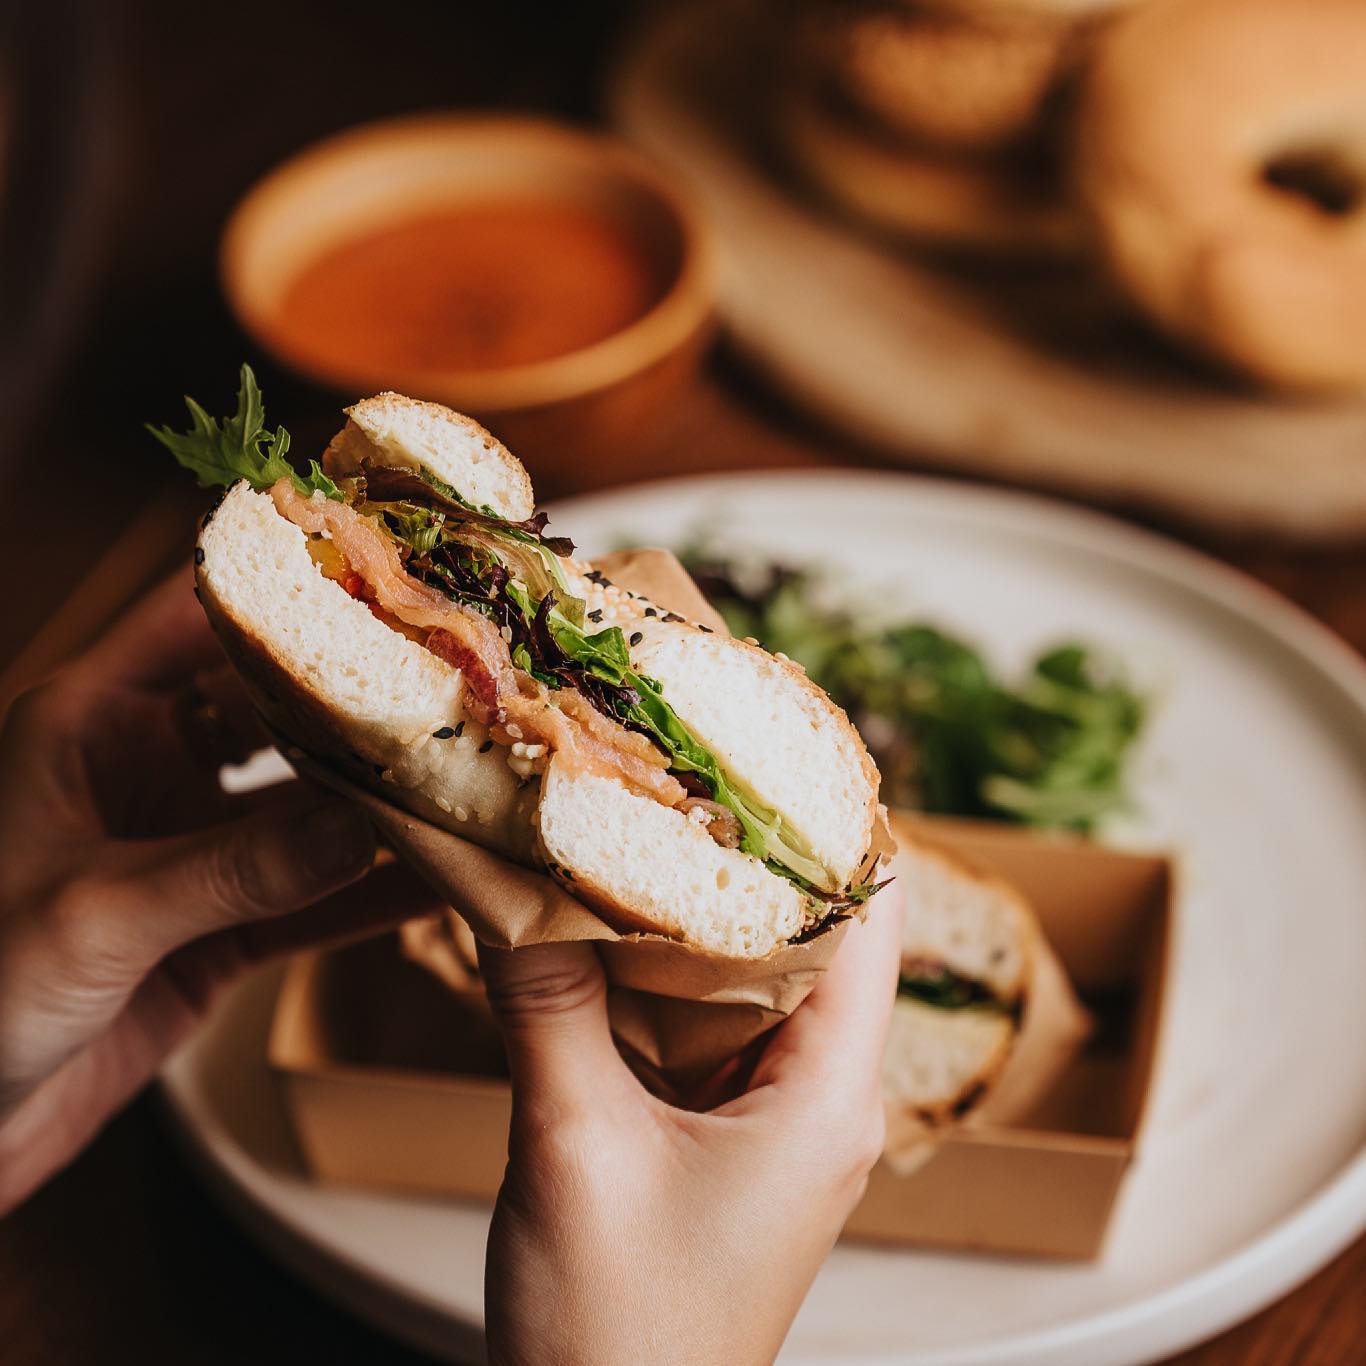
1221 151
986 204
949 83
1005 11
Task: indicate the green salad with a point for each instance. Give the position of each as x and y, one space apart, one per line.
1050 748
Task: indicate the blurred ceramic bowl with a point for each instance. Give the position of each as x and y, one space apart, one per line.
572 416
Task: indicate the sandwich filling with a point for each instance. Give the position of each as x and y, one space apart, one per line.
933 983
491 597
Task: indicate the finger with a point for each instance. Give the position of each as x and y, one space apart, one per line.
550 1002
145 777
382 900
217 720
162 641
291 853
838 1035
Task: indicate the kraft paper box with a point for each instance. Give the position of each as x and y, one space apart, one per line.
395 1079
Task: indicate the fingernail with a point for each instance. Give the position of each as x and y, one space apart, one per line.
336 839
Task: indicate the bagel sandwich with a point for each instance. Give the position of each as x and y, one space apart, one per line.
400 614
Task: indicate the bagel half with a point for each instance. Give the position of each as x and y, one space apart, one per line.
403 618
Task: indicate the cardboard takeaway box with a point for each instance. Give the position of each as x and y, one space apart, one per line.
393 1080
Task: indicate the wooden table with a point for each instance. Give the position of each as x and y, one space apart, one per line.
124 1257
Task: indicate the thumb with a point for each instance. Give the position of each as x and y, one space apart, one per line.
550 1001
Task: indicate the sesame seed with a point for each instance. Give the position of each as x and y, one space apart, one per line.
199 554
506 633
486 746
780 655
595 614
671 616
443 804
444 733
461 814
515 731
535 751
519 749
459 729
650 612
707 629
636 638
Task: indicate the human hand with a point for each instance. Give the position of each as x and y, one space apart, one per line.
628 1230
132 888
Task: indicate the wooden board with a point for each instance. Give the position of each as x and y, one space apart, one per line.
1034 374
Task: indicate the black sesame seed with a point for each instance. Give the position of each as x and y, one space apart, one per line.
593 576
459 729
595 614
671 616
650 612
636 638
707 629
199 554
444 733
216 504
486 746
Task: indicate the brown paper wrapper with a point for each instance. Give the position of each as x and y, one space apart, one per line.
678 1012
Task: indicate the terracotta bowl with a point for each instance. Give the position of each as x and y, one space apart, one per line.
573 418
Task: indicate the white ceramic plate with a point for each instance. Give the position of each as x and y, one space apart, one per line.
1252 1172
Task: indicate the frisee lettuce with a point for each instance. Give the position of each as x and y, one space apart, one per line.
218 454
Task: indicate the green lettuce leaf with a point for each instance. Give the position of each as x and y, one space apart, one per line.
218 454
946 990
606 655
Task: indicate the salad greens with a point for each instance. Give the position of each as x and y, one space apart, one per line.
1050 749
